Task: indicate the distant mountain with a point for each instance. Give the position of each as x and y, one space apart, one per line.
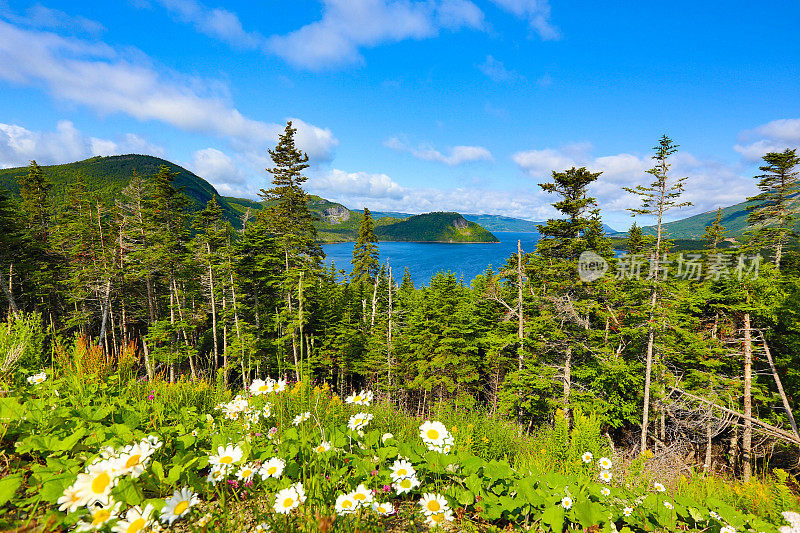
435 227
501 223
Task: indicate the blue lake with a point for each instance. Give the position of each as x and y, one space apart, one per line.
426 259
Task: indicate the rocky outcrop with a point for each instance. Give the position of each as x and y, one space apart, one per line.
460 223
336 214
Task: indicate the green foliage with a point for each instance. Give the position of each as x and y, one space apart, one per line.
435 227
21 343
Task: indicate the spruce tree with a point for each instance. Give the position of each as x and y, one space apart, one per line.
35 203
715 232
365 252
636 240
777 206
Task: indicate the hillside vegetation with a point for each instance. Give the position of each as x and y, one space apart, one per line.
436 227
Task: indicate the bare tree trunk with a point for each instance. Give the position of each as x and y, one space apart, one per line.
778 383
172 322
300 319
238 331
567 381
183 330
9 291
213 307
374 301
147 364
707 461
520 321
647 377
389 336
104 321
747 437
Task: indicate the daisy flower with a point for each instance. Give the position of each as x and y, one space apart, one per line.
727 529
401 469
259 386
437 519
135 520
385 437
362 495
226 456
715 515
71 499
668 505
359 421
203 520
384 509
288 499
153 441
605 463
360 398
267 411
263 527
406 485
566 502
280 386
433 503
247 472
302 417
216 474
606 476
37 379
605 491
179 505
100 515
627 511
134 458
587 457
323 447
95 485
346 504
433 433
659 487
272 468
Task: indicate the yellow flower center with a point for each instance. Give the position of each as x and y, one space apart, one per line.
434 506
438 517
357 398
272 470
402 472
100 483
136 525
433 434
359 496
133 460
263 387
406 483
347 504
227 459
288 502
181 507
100 516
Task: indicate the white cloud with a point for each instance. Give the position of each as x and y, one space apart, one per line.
497 71
101 78
19 145
457 156
39 16
339 183
220 170
347 26
774 136
536 12
215 22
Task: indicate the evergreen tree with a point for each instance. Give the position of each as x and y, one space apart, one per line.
715 232
636 240
35 202
365 252
777 206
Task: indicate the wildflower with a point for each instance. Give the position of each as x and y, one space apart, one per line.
433 432
71 500
226 456
727 529
362 495
267 410
437 519
203 520
406 484
360 398
715 515
668 505
587 457
323 447
794 519
566 502
289 498
247 472
605 491
453 468
627 511
259 386
385 437
96 484
346 504
216 474
135 520
272 432
263 527
100 516
433 503
37 379
606 476
401 469
299 419
151 396
179 505
134 458
272 468
359 420
605 463
384 509
280 386
659 487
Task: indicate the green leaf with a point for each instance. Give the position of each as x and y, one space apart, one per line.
53 488
9 486
158 470
174 474
589 513
554 517
129 492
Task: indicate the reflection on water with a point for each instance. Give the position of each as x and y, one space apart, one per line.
425 259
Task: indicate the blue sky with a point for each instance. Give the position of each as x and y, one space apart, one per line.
409 105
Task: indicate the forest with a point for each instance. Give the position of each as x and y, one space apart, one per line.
683 360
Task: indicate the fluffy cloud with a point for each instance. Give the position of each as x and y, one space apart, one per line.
497 71
338 183
99 77
18 145
711 183
39 16
219 169
774 136
215 22
457 156
536 12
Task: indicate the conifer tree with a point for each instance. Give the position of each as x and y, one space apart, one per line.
636 240
35 202
365 252
777 206
715 232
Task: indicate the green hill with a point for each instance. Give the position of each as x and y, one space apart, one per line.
435 227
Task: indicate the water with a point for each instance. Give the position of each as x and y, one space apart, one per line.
424 259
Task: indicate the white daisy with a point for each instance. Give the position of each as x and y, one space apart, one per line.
179 505
659 487
288 499
95 485
627 511
437 519
605 491
226 456
401 469
727 529
668 505
217 474
153 441
362 495
360 398
135 520
267 411
263 527
247 472
384 509
72 498
566 502
272 468
37 379
587 457
433 433
100 515
406 484
134 458
605 463
359 421
302 417
715 515
433 503
346 504
259 386
606 476
323 447
280 386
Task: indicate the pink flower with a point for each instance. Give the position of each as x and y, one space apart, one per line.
374 472
151 397
387 488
